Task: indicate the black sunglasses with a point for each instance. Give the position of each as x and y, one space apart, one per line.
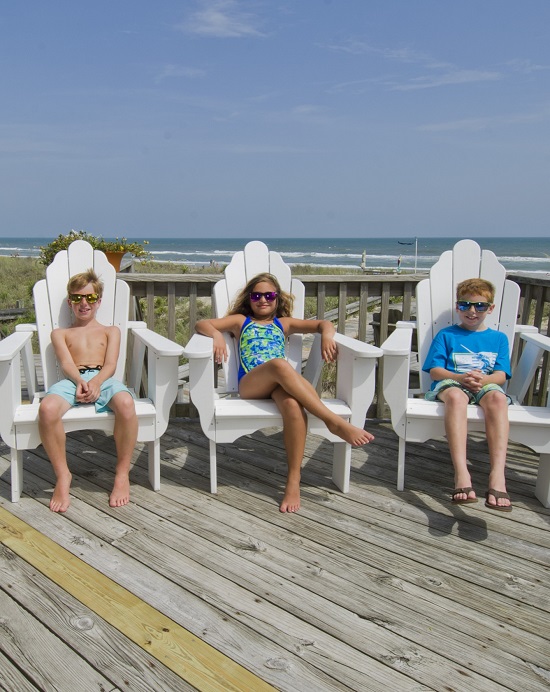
270 296
464 305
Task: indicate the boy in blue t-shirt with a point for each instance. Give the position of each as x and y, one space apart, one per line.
468 363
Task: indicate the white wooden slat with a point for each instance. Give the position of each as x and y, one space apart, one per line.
441 292
235 277
107 274
466 262
492 270
279 268
256 260
509 311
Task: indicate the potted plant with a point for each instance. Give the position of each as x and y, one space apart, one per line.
114 249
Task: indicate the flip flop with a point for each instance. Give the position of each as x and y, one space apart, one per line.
497 494
460 491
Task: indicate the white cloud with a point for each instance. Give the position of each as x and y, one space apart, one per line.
477 124
169 71
222 19
526 66
453 77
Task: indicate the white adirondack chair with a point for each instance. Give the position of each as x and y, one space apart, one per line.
417 420
19 419
226 418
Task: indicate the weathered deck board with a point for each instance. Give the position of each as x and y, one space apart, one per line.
372 590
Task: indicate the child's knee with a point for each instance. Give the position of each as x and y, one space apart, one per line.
123 406
49 411
454 396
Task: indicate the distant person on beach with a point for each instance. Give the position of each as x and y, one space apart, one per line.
399 264
260 320
87 353
469 363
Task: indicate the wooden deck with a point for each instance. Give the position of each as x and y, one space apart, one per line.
180 590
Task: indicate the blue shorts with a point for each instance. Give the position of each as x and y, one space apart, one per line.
67 390
432 395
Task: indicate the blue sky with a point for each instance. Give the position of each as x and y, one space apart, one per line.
265 118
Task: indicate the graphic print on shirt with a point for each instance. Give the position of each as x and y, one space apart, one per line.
484 361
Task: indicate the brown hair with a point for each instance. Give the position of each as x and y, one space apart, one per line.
78 281
241 304
473 287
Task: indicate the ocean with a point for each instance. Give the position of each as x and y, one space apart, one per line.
516 254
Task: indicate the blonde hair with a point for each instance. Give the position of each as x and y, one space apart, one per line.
78 281
473 287
241 304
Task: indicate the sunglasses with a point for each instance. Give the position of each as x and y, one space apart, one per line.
91 298
464 305
270 296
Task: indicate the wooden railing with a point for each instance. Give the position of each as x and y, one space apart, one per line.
385 291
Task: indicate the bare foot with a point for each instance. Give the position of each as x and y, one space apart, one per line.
350 433
120 495
60 499
291 499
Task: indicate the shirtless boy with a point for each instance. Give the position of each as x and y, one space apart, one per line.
87 353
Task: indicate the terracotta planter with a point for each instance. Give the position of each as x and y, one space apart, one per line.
115 259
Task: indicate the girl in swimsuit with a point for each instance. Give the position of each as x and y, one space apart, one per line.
260 320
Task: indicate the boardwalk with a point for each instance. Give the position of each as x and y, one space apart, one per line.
181 590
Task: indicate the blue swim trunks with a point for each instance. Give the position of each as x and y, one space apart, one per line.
473 398
67 390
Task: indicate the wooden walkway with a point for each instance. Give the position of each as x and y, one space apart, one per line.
181 590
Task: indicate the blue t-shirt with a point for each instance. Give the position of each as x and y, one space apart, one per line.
259 343
459 350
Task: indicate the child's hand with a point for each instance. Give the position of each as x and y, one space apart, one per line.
329 349
473 380
90 391
220 348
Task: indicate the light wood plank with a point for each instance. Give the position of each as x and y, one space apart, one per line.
189 657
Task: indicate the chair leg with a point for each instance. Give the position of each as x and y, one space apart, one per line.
542 489
213 469
154 464
401 464
341 465
16 457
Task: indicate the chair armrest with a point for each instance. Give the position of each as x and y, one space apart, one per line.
14 349
528 363
399 341
200 351
199 346
162 371
539 340
356 375
360 349
525 329
11 346
26 328
396 367
157 343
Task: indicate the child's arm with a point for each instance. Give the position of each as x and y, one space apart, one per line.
329 349
64 357
215 328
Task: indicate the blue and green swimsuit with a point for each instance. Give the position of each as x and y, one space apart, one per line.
259 343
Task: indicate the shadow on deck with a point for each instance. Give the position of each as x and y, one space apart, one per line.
182 589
